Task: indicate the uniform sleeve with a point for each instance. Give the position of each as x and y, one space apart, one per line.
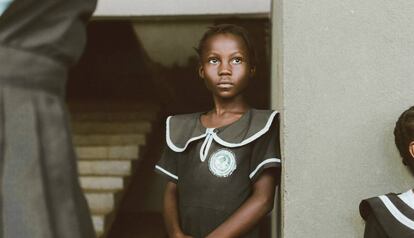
167 165
373 228
266 151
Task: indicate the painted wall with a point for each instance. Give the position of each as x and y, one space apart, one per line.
141 8
346 73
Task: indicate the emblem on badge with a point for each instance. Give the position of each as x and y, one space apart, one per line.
222 163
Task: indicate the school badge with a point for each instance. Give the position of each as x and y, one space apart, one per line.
222 163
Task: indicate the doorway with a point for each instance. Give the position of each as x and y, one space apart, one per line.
151 61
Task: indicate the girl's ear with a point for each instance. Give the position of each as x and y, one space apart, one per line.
201 71
411 149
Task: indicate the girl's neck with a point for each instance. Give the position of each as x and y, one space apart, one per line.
223 106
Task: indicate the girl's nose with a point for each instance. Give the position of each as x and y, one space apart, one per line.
225 69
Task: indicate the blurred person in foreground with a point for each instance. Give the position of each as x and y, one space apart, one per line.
40 196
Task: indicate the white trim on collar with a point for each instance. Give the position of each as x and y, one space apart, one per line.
216 138
171 144
408 198
251 138
166 172
271 160
396 213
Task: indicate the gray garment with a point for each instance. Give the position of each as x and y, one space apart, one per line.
40 195
210 191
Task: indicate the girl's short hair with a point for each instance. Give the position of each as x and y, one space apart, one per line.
229 29
404 134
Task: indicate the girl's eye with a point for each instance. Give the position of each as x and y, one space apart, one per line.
236 61
213 61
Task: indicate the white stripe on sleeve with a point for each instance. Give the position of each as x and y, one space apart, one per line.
267 161
166 172
396 213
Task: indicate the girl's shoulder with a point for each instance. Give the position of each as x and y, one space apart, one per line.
394 212
252 126
263 116
181 129
184 117
182 124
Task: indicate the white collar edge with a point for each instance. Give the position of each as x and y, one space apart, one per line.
220 141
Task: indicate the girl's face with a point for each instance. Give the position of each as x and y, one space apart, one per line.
225 66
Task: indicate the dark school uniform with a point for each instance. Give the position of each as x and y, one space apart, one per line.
40 195
215 168
389 216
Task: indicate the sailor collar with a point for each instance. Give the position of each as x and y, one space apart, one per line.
183 129
394 212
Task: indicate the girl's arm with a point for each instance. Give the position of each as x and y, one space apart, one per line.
171 212
252 210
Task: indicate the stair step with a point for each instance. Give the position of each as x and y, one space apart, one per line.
103 182
111 106
114 116
107 152
99 127
101 202
106 167
101 222
109 139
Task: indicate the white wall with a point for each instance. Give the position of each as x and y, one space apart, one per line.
180 7
347 72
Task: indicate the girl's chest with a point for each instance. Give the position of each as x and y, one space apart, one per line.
221 165
220 182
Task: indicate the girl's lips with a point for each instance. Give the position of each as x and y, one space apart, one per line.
225 85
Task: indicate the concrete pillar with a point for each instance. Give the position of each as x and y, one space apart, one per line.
345 74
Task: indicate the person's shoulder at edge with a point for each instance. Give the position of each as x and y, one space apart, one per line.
265 116
386 201
368 205
184 116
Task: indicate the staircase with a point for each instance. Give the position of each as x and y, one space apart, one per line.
108 139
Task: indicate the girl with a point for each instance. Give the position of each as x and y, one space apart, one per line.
392 215
223 164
